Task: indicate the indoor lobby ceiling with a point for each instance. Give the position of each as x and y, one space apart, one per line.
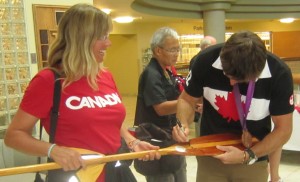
191 10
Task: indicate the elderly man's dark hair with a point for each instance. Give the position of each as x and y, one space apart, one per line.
243 56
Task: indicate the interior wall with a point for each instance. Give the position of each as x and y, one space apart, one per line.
145 30
286 44
122 60
30 25
130 63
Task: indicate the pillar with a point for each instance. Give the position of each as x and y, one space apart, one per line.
214 24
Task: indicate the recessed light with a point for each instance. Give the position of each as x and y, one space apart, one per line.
287 20
124 19
106 10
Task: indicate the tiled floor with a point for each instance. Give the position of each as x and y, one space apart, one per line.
289 167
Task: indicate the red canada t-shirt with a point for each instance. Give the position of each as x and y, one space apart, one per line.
88 119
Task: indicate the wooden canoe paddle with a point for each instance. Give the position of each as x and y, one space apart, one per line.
200 146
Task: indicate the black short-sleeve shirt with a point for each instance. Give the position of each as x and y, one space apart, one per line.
154 88
273 94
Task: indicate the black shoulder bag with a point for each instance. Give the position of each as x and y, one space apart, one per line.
59 174
119 171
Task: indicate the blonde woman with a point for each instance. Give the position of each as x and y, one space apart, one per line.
91 112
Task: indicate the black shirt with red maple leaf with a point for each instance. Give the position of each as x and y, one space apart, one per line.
273 94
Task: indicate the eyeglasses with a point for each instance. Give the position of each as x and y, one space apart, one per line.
105 37
172 51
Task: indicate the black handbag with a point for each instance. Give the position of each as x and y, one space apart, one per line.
155 135
54 175
58 175
119 171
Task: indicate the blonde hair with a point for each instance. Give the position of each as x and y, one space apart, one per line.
72 50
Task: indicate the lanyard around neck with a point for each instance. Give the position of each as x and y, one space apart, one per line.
243 111
167 76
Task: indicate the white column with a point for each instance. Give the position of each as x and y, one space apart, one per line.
214 24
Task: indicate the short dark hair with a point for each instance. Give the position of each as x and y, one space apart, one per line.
243 56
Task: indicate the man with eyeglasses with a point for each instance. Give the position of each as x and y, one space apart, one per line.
244 88
157 100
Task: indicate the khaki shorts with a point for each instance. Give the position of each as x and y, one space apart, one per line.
213 170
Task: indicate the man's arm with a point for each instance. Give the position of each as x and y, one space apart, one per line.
281 133
283 126
166 108
185 113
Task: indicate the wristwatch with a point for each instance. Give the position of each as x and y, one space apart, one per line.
252 157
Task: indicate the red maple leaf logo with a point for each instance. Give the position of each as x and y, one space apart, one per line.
227 108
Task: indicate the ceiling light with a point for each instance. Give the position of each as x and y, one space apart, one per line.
107 11
124 19
286 20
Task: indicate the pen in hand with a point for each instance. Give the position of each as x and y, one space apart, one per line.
180 126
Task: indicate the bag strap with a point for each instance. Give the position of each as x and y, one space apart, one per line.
55 107
54 110
39 159
53 118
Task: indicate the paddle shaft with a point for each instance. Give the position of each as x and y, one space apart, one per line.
103 159
116 157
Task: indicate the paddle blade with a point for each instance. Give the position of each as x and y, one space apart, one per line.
215 138
206 145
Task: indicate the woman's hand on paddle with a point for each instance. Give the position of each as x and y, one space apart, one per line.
69 159
231 155
180 134
152 155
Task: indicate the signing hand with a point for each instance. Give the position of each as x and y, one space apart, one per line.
199 108
180 134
